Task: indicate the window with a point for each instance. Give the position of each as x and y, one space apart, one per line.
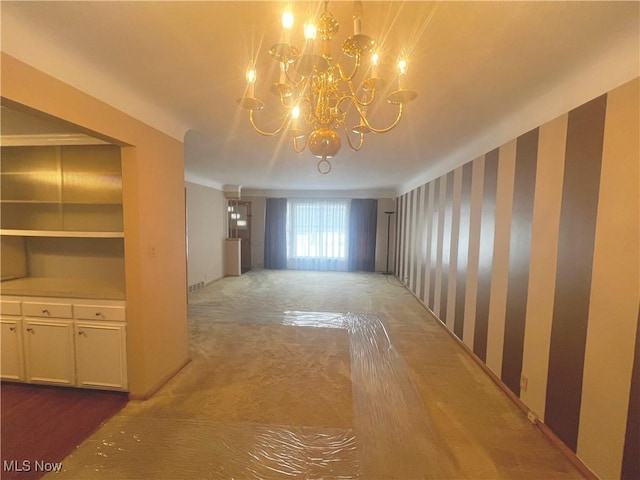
317 234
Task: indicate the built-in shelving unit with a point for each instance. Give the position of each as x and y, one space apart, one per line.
63 268
61 221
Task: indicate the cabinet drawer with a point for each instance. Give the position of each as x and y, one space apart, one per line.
10 307
47 310
99 312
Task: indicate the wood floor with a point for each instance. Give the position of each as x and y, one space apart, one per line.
44 424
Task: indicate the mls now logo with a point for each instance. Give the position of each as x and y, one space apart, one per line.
27 466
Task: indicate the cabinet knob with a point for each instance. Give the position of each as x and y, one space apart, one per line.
98 314
30 330
81 332
46 312
12 329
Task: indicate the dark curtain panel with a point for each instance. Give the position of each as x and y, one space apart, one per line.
363 222
275 234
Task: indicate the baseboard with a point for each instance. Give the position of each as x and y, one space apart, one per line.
202 284
553 438
151 392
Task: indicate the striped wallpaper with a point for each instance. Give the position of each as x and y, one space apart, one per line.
529 254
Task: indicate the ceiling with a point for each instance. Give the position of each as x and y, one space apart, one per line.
485 72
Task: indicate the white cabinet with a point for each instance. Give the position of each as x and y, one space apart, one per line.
47 310
65 341
49 351
100 355
99 312
11 363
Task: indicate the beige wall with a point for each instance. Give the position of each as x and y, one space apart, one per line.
206 232
154 219
13 257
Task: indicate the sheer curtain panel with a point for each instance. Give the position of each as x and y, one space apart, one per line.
317 234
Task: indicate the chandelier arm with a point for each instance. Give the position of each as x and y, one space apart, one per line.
354 100
263 132
287 101
382 130
351 146
349 78
339 116
366 103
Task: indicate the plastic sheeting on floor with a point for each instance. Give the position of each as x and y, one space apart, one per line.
293 395
391 428
170 448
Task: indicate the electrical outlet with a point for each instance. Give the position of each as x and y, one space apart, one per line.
533 418
524 382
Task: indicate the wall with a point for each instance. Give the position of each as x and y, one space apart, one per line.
529 255
154 219
206 232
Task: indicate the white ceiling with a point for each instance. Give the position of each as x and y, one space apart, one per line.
485 72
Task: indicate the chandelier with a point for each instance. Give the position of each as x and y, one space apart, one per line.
317 92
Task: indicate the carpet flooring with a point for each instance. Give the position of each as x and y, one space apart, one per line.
41 425
319 375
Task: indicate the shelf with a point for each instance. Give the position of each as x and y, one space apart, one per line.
65 287
62 229
58 202
31 202
60 234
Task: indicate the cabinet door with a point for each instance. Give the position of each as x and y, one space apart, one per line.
101 355
48 349
12 360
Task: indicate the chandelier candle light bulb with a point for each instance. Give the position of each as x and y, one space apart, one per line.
402 72
319 95
310 33
251 81
287 25
357 17
374 65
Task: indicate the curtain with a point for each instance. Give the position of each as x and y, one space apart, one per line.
317 234
363 225
275 231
